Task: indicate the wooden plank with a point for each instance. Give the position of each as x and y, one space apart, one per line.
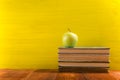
13 74
69 76
43 75
98 76
6 74
115 74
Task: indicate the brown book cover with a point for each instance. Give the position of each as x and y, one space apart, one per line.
84 50
84 57
104 51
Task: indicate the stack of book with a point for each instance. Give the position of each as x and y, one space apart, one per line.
93 57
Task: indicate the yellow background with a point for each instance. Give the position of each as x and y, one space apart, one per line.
31 30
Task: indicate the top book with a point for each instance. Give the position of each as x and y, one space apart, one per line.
84 50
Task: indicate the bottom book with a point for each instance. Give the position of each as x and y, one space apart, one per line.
83 69
74 64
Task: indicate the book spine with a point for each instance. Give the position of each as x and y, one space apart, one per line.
71 64
79 57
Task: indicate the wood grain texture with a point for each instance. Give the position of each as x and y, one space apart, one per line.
70 76
42 75
6 74
98 76
115 74
14 74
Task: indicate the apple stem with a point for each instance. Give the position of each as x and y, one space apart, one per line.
69 30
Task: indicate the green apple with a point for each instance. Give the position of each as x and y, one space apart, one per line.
69 39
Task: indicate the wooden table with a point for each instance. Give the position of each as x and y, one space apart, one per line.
7 74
